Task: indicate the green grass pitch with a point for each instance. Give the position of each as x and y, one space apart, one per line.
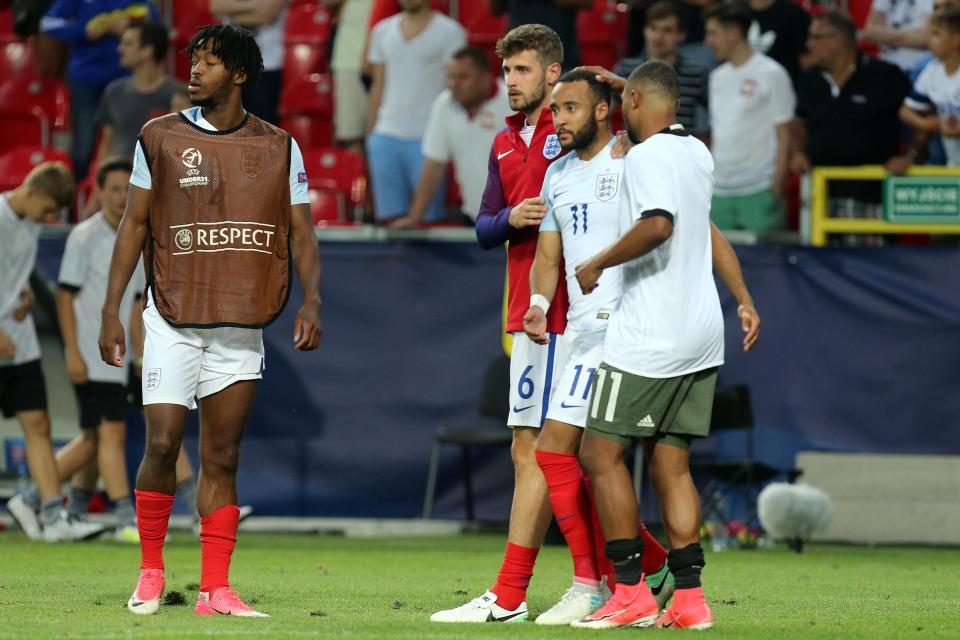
322 587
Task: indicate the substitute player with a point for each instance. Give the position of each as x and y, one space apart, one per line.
661 353
219 201
511 211
584 192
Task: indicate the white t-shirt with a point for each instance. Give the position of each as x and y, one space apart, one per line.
904 14
84 269
453 134
414 71
935 90
298 184
18 253
351 34
746 104
583 205
669 323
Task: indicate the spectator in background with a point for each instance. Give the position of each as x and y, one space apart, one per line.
899 27
664 32
463 122
847 113
779 30
559 15
933 106
349 94
751 105
266 19
128 103
408 52
92 29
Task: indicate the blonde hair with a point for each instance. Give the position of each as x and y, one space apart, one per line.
52 179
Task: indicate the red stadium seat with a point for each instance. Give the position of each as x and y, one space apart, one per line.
339 169
23 128
301 60
6 24
306 110
308 24
16 163
328 207
16 59
602 33
188 16
49 95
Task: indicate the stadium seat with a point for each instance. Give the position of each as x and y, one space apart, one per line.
23 129
308 24
49 95
493 409
16 163
328 207
188 16
16 59
339 169
301 60
6 24
306 110
602 33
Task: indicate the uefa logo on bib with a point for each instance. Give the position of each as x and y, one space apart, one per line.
551 148
184 239
191 158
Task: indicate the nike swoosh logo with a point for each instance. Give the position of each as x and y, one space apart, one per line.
609 615
522 409
558 194
657 589
559 520
493 618
564 405
667 625
504 154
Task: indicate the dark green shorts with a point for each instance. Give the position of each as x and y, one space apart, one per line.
625 407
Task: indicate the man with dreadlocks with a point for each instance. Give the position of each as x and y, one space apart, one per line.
218 202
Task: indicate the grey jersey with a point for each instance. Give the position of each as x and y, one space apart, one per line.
18 253
127 110
84 270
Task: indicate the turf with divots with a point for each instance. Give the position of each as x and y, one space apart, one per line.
322 587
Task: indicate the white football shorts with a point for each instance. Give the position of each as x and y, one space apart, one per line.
534 370
183 365
571 394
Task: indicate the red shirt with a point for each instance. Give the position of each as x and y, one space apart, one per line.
515 173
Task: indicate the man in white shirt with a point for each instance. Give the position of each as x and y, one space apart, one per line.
900 28
661 353
47 189
408 53
751 105
463 122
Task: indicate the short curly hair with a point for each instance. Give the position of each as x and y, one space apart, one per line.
532 37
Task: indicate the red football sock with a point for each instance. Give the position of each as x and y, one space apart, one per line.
654 555
571 506
604 566
153 515
218 535
514 576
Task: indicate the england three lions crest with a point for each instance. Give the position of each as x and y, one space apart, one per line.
551 148
251 162
607 186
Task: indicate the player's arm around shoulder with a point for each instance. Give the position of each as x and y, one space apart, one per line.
306 257
131 236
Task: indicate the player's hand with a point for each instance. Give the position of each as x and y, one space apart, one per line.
622 146
799 162
616 82
535 325
950 126
403 222
76 367
306 329
750 323
528 213
898 164
113 341
7 348
26 306
587 275
931 123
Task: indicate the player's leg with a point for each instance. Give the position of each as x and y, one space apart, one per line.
531 380
82 485
223 417
112 460
78 458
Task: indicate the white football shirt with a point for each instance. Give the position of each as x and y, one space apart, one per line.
85 269
934 89
583 205
746 105
669 323
18 253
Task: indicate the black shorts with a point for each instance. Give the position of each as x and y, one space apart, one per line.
22 388
101 401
